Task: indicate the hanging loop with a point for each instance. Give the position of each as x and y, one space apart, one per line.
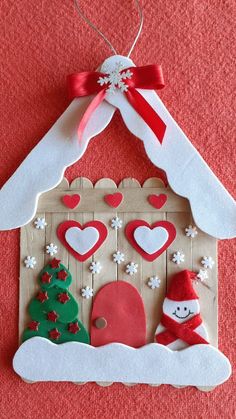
101 34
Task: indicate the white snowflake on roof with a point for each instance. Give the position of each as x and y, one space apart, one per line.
95 267
118 257
115 79
30 262
116 223
40 223
131 268
51 249
178 257
191 231
87 292
207 262
202 275
154 282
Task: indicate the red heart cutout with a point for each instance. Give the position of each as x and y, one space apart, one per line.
157 201
98 228
160 228
114 200
71 201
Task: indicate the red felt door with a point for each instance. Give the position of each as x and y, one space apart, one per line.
118 316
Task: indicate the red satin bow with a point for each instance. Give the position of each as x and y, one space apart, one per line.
147 77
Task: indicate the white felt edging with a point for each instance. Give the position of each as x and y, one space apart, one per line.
38 359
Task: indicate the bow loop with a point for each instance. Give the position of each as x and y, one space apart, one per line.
127 80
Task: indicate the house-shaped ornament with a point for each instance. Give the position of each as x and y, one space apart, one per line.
110 275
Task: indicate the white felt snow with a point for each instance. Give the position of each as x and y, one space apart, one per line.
38 359
95 267
188 174
30 262
82 240
87 292
150 240
131 268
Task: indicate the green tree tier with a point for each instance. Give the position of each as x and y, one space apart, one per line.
54 311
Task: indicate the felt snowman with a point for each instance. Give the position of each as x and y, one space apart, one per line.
181 324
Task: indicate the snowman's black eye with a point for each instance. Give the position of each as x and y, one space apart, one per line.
178 308
185 308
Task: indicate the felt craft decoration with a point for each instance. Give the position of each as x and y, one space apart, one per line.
82 241
71 201
126 324
157 201
53 311
187 173
150 241
181 324
114 200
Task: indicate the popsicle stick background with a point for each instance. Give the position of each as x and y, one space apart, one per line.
134 205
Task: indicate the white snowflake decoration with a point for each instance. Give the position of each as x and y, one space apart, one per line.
30 262
207 262
178 257
116 223
51 249
87 292
154 282
40 223
202 275
115 79
131 268
191 231
95 267
118 257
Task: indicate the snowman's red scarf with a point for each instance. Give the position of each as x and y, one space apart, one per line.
183 331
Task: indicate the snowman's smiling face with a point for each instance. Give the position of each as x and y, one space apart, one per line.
181 311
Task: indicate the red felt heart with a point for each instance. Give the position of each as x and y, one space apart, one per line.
166 227
114 200
101 232
71 201
157 201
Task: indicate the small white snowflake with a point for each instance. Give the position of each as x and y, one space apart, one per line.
207 262
191 231
118 257
95 267
51 249
131 268
178 257
154 282
115 78
87 292
116 223
30 262
40 223
202 275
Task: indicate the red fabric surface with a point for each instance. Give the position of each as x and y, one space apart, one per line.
43 41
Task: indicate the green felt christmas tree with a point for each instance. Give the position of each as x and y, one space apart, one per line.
54 311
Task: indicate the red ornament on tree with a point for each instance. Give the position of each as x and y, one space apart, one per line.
62 275
73 328
63 297
42 296
55 263
52 316
33 325
46 278
54 334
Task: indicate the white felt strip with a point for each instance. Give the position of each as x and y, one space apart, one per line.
44 167
38 359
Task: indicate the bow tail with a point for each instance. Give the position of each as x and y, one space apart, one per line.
97 100
147 113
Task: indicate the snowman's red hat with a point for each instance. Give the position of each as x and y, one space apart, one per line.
181 287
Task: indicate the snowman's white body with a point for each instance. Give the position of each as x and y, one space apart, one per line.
181 311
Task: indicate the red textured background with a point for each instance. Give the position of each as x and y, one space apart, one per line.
41 42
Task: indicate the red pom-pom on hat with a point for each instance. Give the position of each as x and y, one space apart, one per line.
181 287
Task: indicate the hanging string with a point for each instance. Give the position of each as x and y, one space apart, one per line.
101 34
